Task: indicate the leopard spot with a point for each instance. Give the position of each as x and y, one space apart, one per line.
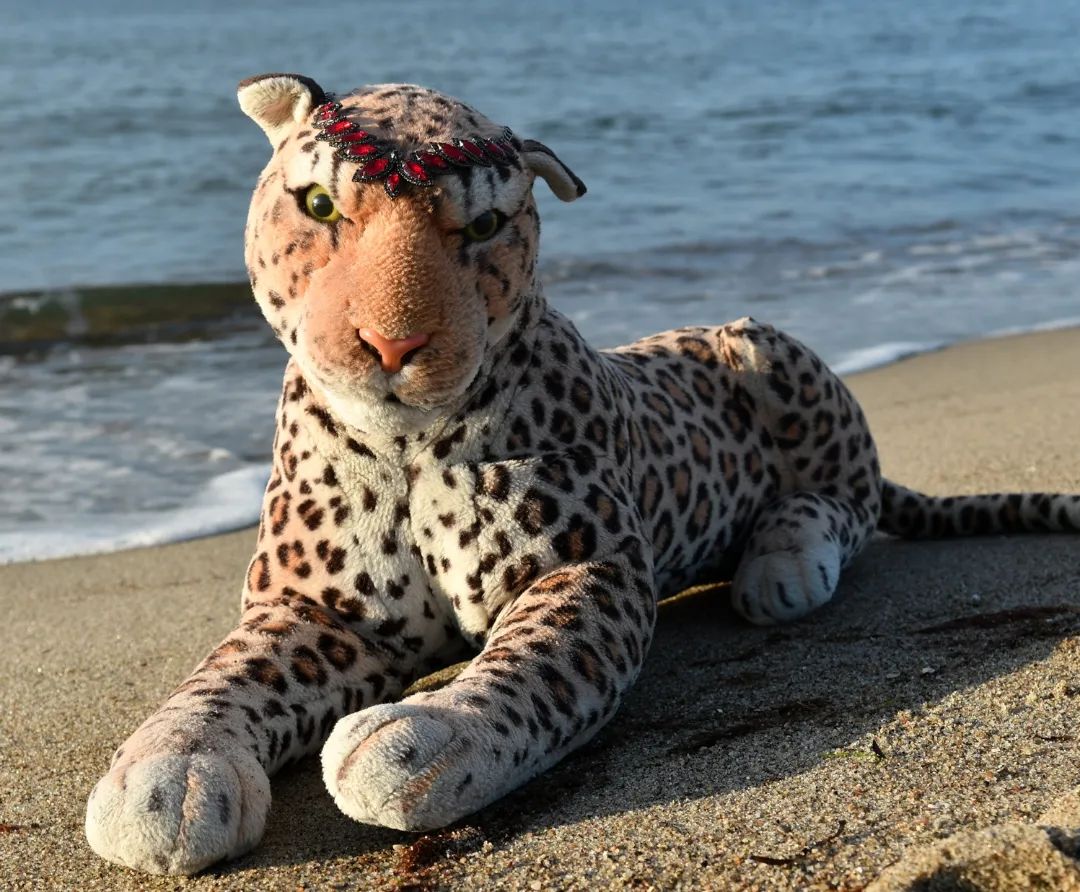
536 511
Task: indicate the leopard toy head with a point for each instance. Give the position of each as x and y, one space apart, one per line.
392 241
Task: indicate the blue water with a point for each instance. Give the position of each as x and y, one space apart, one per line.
877 178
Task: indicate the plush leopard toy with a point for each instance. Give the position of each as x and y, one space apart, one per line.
455 468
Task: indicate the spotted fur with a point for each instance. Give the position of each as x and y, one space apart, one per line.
510 489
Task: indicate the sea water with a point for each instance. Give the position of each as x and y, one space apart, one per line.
877 178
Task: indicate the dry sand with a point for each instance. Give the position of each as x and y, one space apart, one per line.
937 695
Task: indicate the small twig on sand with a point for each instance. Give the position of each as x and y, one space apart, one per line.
802 853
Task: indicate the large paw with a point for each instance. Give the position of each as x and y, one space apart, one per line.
170 813
783 585
410 767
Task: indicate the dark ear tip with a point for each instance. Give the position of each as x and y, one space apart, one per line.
318 95
248 81
532 146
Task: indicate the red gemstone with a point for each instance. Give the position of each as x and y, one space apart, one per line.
375 168
327 111
433 160
393 183
473 150
494 149
355 136
339 126
364 150
416 171
453 153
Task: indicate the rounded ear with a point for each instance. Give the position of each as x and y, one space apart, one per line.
277 101
545 163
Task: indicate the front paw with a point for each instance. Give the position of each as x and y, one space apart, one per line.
410 767
173 813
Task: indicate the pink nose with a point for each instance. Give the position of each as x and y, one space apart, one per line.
392 352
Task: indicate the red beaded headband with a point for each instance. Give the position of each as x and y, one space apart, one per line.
379 160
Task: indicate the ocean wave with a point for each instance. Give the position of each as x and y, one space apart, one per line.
878 355
870 261
227 502
31 320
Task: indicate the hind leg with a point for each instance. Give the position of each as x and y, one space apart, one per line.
792 559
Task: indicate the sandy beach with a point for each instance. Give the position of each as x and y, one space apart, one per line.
936 696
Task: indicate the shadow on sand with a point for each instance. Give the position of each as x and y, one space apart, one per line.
717 697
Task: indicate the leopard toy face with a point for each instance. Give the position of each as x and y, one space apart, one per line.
455 469
435 276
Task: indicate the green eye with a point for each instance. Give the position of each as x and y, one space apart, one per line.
320 205
485 226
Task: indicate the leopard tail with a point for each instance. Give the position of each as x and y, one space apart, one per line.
913 515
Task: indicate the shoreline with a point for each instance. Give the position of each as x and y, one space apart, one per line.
936 695
192 520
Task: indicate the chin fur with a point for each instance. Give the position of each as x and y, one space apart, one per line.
376 408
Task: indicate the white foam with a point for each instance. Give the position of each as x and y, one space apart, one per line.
878 355
227 502
882 354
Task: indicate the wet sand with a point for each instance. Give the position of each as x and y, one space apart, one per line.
937 695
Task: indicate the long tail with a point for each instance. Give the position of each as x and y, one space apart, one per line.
913 515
